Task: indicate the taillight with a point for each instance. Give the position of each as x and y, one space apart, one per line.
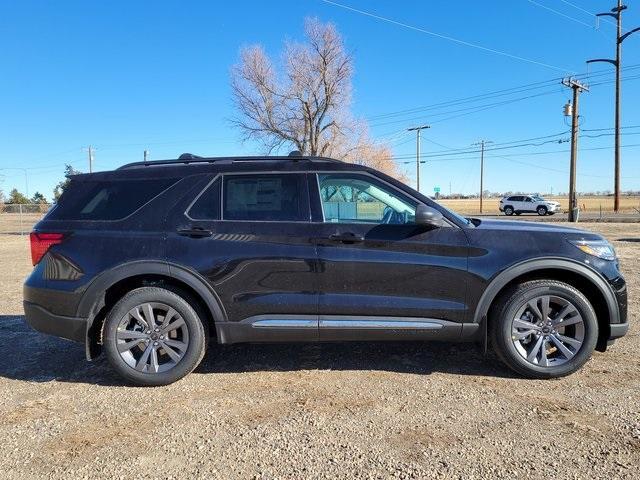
41 243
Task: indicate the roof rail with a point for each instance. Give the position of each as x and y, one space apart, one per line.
189 159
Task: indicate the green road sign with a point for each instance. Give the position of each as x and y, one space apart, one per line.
436 189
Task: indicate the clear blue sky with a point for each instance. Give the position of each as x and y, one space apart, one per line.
125 76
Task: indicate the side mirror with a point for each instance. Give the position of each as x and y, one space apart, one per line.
428 216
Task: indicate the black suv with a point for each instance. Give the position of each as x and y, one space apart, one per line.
151 261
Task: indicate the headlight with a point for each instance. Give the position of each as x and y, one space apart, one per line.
597 248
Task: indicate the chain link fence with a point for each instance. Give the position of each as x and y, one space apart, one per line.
19 219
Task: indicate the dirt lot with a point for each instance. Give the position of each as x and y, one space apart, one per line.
305 411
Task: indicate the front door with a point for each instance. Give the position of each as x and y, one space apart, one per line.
250 237
529 206
381 276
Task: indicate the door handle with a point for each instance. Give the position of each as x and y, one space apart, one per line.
195 232
347 237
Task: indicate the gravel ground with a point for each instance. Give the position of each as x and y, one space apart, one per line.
316 411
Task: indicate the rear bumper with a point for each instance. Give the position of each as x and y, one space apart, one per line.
42 320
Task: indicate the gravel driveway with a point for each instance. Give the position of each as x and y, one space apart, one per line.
316 411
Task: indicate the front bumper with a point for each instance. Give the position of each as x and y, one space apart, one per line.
621 326
42 320
617 330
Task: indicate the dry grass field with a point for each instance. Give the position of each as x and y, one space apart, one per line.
14 223
316 411
587 205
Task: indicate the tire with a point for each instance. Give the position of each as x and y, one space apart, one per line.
508 210
550 360
542 210
152 361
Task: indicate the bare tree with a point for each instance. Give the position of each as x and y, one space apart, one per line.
307 106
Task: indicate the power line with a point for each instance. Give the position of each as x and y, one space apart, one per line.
479 108
577 7
472 99
447 37
468 110
608 135
608 128
569 17
493 94
452 152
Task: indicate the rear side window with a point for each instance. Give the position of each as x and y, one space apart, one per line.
207 205
107 200
268 197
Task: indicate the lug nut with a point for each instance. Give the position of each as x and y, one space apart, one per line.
155 344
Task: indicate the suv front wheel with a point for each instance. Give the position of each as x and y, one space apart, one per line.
542 210
153 337
543 329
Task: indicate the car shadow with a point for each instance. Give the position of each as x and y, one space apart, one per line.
34 357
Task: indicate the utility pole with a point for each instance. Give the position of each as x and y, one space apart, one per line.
577 88
90 151
616 12
417 130
146 155
481 144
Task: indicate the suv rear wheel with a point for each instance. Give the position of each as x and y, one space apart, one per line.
153 337
508 210
544 329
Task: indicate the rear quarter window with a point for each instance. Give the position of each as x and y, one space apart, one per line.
107 200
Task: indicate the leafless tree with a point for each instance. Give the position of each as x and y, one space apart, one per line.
307 106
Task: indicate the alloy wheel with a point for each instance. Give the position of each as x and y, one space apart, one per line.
548 331
152 338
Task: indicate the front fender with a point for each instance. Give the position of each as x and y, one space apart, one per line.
547 263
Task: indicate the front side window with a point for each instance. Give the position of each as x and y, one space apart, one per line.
267 197
361 199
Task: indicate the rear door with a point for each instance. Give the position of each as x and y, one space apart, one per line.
517 203
381 276
250 237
